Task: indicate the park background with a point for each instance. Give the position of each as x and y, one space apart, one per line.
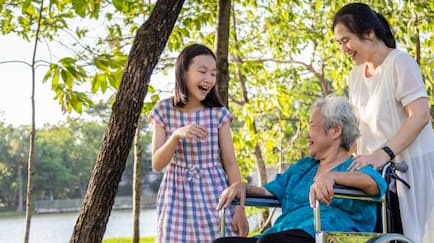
282 56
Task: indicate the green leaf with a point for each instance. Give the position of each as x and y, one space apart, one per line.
80 7
55 79
95 83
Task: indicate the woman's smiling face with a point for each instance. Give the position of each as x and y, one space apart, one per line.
319 139
350 43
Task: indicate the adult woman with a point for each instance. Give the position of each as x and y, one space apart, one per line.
332 131
386 87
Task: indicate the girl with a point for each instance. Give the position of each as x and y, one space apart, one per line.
386 87
192 140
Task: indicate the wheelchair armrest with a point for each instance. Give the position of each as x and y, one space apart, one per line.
259 201
349 191
251 200
272 201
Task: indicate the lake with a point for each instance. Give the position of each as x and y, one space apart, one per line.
58 227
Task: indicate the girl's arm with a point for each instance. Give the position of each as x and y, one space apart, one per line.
229 161
228 154
162 150
239 221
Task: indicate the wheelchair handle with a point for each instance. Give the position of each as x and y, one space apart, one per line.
400 166
390 169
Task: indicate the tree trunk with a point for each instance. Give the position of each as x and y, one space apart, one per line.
150 40
137 182
20 189
30 172
222 49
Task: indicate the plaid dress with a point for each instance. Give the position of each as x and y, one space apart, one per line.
193 179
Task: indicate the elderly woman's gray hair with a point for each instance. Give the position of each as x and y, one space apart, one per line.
337 111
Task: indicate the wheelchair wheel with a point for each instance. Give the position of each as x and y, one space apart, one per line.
391 237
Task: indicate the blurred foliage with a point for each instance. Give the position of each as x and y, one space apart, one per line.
65 155
282 57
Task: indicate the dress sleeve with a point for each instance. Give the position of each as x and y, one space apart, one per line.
156 114
224 116
409 83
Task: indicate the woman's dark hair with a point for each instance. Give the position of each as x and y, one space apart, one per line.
359 18
183 62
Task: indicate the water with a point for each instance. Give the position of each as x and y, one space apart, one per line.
57 228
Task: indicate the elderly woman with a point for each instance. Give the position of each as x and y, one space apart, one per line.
333 128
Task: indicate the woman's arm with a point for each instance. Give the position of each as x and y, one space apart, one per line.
234 191
418 115
357 180
322 189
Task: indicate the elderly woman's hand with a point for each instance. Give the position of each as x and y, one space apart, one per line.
322 189
236 190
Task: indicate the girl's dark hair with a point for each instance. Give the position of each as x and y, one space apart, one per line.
183 62
359 18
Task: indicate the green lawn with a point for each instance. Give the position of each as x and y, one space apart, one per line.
128 240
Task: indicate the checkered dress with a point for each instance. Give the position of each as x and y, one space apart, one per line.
193 180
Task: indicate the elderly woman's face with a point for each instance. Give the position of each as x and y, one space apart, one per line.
319 140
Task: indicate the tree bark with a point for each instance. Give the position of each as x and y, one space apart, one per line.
150 41
222 49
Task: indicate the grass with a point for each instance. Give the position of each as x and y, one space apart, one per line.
149 239
9 214
129 240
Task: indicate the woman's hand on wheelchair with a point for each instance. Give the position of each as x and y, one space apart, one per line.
377 160
322 189
236 190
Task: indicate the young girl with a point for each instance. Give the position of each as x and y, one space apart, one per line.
386 87
192 140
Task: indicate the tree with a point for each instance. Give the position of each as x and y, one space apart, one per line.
137 182
12 160
222 49
150 41
281 56
30 172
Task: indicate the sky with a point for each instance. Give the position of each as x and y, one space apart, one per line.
16 84
16 87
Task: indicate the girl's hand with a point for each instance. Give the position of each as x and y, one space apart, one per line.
239 222
191 131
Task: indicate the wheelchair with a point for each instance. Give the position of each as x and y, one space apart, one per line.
385 230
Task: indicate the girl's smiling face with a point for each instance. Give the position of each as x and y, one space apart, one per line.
200 77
